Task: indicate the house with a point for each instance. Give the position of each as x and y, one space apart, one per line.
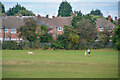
103 24
9 27
55 24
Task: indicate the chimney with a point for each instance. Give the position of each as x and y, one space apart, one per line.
47 16
20 15
34 15
109 17
53 17
59 16
38 16
116 18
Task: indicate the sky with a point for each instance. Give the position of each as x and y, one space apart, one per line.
45 7
59 0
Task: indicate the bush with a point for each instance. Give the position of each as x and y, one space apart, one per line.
12 45
46 47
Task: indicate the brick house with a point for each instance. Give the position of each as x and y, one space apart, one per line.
103 24
9 27
55 25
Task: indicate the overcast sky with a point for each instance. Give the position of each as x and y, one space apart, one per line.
60 0
108 7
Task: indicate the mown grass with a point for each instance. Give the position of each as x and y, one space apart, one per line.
102 63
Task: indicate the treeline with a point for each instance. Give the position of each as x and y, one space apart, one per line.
16 10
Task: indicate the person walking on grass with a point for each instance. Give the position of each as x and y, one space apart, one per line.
88 51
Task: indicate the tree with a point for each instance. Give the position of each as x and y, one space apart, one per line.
80 35
96 12
104 37
116 37
78 16
25 13
85 27
86 31
2 7
65 9
69 40
44 36
15 10
29 30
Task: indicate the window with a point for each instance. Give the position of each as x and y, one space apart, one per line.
60 29
6 30
14 39
1 38
101 29
13 30
7 39
113 27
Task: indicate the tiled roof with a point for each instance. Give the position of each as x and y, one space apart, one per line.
56 22
12 22
104 23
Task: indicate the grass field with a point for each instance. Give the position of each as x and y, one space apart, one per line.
103 63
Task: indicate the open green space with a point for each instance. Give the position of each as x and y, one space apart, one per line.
103 63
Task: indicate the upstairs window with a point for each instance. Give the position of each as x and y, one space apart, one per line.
13 30
6 30
13 39
101 29
60 29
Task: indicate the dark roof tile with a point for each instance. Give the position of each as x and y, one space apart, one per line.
12 22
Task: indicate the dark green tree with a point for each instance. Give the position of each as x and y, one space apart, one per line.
15 9
29 30
78 16
116 37
96 12
85 27
65 9
86 31
45 37
104 37
2 8
25 13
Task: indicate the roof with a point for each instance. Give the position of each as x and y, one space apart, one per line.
12 22
104 23
55 22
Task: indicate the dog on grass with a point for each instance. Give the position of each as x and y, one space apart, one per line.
30 53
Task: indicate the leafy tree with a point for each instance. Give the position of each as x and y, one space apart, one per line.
15 10
86 31
104 37
68 40
80 35
85 27
44 36
25 13
2 8
116 37
65 9
96 12
29 30
78 16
